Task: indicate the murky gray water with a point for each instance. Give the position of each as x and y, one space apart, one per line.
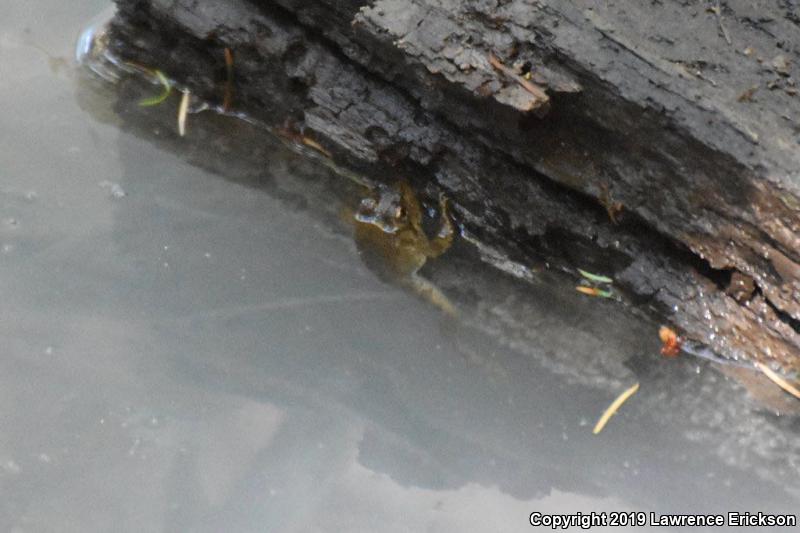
191 342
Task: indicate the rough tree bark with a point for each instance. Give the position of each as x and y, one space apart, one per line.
655 140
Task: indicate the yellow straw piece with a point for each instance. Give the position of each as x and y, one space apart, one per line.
308 141
615 405
779 381
182 110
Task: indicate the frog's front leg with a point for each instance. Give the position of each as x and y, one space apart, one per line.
444 239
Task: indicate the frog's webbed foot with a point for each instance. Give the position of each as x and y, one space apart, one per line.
444 239
432 294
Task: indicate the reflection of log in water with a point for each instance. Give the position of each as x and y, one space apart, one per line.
649 135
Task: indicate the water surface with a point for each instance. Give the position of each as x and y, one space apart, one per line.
191 342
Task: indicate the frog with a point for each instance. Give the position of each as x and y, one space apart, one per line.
390 237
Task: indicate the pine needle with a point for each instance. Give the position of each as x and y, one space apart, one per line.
183 109
778 380
612 409
311 143
594 291
228 98
535 90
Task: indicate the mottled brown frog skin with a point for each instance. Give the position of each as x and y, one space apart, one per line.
393 244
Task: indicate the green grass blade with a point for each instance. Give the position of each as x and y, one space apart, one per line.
595 277
155 100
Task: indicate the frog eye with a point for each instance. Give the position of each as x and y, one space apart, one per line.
368 205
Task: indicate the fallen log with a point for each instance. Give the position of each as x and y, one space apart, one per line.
656 143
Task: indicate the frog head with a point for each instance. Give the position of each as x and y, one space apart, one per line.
386 212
